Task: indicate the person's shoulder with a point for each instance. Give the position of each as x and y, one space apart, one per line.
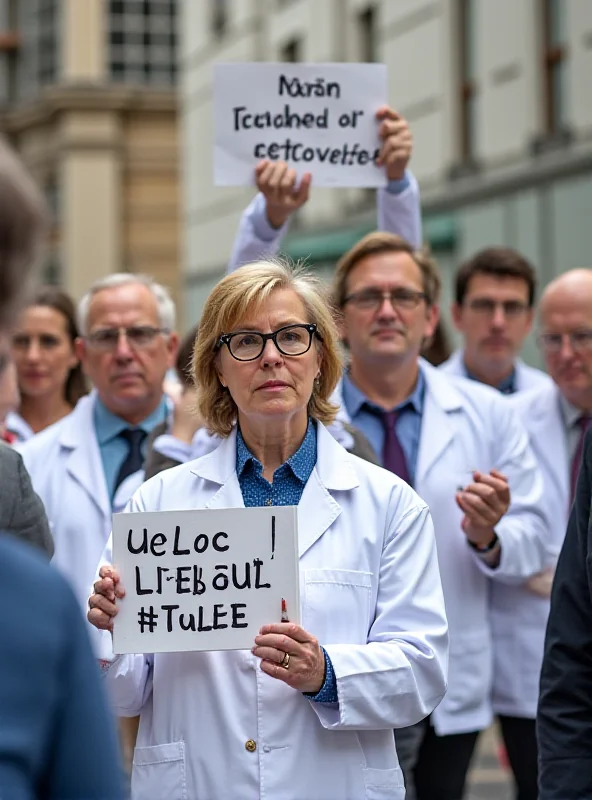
531 377
44 440
25 566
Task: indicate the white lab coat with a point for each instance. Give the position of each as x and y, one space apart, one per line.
518 615
467 426
526 377
18 426
65 465
370 592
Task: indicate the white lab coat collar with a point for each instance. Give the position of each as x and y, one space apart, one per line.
84 462
318 509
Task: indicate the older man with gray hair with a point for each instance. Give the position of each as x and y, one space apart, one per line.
87 465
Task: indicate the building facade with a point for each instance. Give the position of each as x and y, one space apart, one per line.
88 96
498 96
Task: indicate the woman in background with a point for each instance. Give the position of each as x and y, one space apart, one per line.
50 379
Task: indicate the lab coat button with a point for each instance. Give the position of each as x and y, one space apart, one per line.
267 749
250 745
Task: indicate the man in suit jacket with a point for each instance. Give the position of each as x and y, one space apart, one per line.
564 721
21 510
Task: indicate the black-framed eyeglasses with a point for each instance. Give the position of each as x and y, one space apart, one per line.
373 297
580 342
291 340
137 336
487 307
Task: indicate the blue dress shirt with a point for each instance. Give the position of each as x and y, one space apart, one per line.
288 484
362 413
113 448
507 386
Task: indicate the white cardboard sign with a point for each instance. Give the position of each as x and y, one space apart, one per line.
204 579
320 118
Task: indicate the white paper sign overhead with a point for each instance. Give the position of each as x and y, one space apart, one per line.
203 580
320 118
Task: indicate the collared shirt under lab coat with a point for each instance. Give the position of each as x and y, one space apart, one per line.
467 426
527 377
66 469
370 592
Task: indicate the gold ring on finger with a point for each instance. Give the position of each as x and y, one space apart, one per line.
285 662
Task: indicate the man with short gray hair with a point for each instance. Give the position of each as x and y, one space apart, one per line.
87 466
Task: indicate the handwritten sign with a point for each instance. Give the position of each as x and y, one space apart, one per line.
320 118
203 580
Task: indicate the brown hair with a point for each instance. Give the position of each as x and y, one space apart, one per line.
375 244
184 362
240 294
52 297
437 348
500 262
22 229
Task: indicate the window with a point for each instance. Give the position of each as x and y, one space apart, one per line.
47 35
467 84
219 17
291 51
554 64
367 35
143 41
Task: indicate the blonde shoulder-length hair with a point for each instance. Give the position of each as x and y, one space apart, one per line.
240 295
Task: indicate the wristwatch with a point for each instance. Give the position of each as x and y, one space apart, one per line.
486 548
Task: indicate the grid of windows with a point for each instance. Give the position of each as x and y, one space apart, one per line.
143 41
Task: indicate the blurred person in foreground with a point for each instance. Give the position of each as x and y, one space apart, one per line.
558 419
564 720
53 717
50 378
318 701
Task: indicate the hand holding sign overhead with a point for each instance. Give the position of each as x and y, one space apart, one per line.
282 190
319 118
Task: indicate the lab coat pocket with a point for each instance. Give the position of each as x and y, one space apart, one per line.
336 605
469 672
159 772
384 784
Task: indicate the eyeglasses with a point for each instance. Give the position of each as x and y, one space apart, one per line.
137 336
580 342
487 307
291 340
373 298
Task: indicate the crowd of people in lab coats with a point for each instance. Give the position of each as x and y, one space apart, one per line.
489 444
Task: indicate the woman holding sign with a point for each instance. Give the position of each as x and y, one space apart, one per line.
309 712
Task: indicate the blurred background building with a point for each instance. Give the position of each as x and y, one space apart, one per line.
498 94
87 95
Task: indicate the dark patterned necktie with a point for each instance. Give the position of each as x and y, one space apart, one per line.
135 458
393 455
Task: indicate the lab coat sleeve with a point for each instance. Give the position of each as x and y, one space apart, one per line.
128 678
256 237
525 531
399 211
399 676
